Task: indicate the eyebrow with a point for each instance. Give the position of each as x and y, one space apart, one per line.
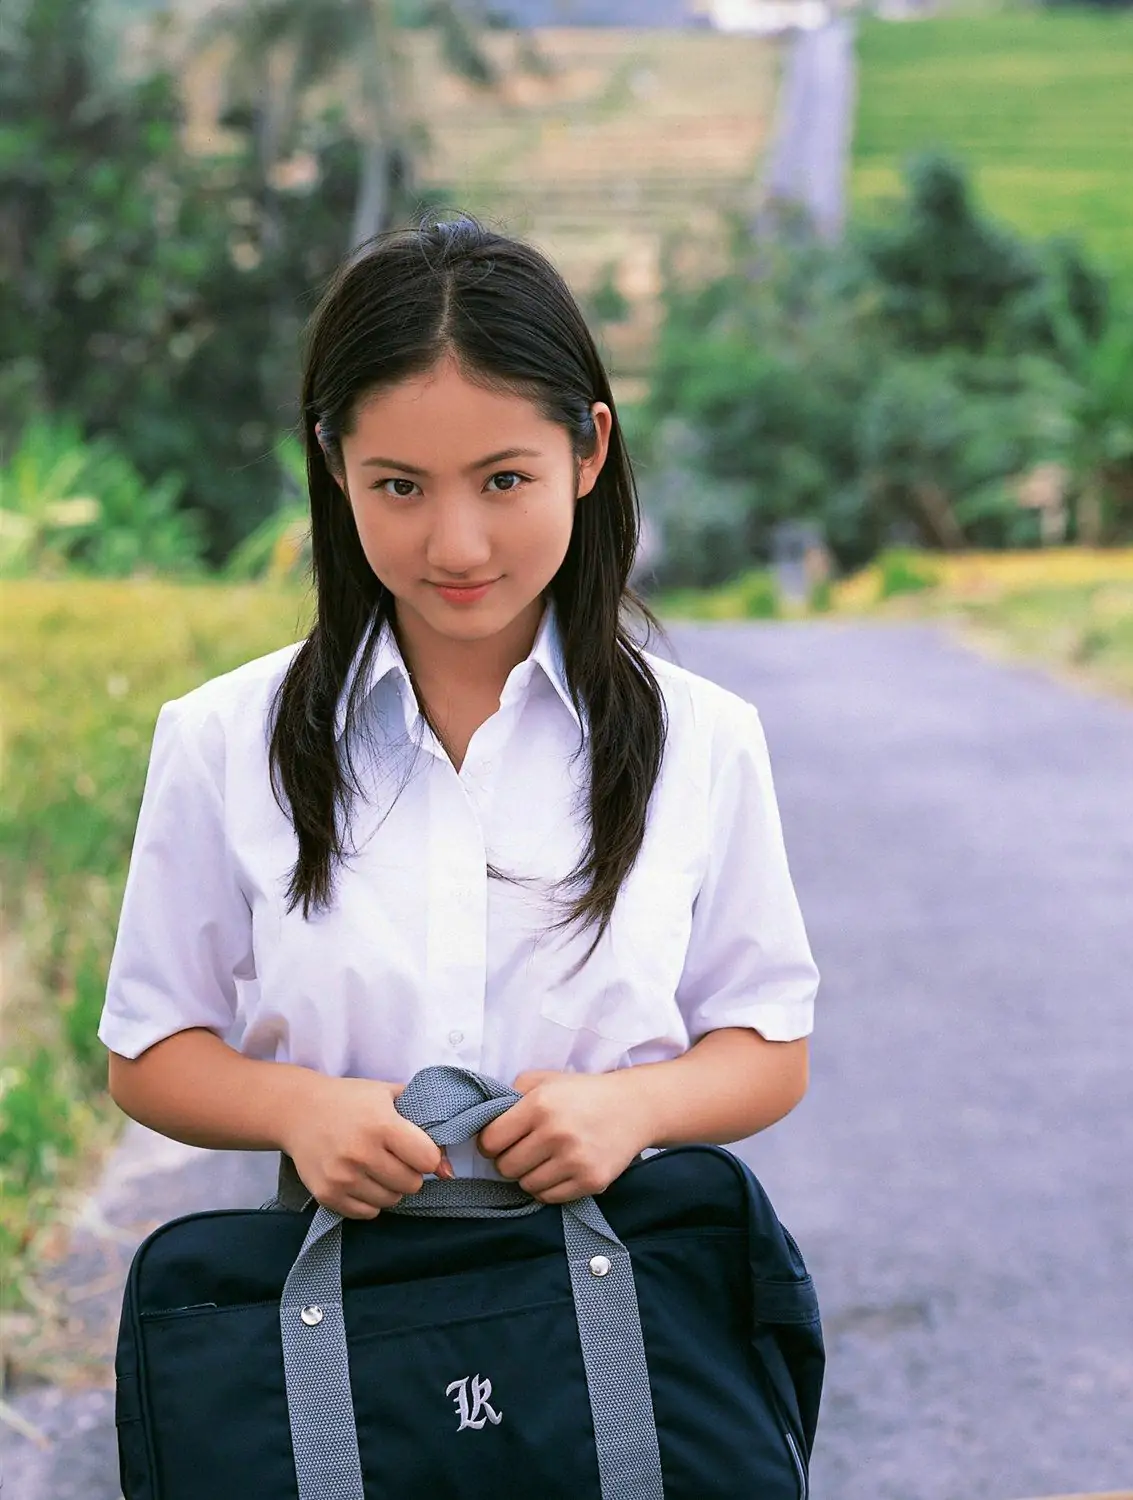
493 458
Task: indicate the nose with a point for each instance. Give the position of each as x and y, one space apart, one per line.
458 542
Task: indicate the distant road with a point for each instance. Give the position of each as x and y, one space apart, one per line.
809 157
961 836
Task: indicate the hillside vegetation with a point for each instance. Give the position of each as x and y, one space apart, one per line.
618 142
1037 104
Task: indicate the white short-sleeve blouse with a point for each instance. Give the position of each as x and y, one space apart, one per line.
423 958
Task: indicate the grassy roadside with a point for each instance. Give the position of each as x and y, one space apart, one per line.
1069 609
84 667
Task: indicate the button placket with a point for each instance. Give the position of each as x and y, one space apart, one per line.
457 919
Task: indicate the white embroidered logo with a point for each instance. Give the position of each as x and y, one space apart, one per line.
470 1411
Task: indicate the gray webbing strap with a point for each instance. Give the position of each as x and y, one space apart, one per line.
453 1105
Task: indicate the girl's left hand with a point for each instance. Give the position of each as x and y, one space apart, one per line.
569 1136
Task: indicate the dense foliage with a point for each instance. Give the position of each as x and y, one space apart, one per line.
899 388
154 295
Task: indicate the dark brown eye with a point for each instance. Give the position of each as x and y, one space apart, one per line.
401 493
509 474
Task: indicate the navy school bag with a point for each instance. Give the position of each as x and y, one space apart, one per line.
662 1340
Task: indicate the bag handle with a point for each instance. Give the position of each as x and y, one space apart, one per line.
452 1105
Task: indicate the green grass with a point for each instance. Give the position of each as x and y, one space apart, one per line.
1038 104
1083 630
84 667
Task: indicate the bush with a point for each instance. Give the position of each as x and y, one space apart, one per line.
894 389
759 595
35 1124
901 571
71 505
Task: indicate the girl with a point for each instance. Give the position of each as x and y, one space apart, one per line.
388 846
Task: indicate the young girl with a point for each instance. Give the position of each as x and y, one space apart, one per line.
468 820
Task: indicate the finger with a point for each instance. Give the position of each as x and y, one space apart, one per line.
412 1146
543 1178
562 1192
364 1200
354 1208
445 1170
505 1130
374 1194
527 1157
389 1172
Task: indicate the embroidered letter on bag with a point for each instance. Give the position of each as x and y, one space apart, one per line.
470 1411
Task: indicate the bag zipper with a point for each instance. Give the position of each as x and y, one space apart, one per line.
800 1467
176 1312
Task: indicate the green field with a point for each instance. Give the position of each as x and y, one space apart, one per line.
1039 104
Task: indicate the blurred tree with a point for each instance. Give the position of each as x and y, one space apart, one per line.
127 294
896 388
941 441
1099 407
282 50
948 276
155 295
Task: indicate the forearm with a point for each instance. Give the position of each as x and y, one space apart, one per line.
194 1088
731 1084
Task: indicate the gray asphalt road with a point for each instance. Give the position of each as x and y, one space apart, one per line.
961 836
809 155
959 1176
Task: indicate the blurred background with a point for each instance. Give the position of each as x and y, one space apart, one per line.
864 278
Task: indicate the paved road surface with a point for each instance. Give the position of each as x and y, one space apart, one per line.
959 1176
809 156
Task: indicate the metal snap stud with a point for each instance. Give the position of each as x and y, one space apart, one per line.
599 1266
311 1316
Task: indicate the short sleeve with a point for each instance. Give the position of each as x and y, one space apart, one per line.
184 933
749 961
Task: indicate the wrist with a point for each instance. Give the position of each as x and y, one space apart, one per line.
294 1101
646 1095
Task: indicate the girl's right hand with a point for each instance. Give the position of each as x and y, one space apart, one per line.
352 1149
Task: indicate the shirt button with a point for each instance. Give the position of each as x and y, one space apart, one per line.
456 1037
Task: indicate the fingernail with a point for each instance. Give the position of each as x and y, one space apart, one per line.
445 1170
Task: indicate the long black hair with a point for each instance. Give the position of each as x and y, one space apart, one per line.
401 303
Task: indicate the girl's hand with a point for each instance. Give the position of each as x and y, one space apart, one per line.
352 1149
569 1136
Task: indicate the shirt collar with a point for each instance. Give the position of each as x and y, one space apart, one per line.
546 655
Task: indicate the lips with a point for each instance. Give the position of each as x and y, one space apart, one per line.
464 593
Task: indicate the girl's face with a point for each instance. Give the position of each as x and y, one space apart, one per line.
452 483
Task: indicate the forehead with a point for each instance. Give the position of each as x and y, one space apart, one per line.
444 411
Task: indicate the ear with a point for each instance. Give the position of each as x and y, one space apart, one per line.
336 473
331 458
590 468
